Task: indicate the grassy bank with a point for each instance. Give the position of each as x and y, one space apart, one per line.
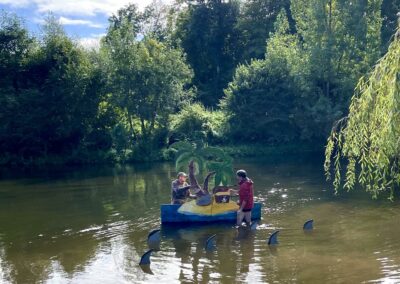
262 150
130 157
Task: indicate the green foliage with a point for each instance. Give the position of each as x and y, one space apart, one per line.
305 81
120 136
341 40
194 122
154 22
158 18
207 32
126 24
389 21
15 46
135 95
255 24
281 151
42 95
369 137
260 109
147 78
261 99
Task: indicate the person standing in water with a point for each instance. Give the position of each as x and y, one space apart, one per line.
246 195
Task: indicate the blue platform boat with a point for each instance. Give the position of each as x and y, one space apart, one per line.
189 212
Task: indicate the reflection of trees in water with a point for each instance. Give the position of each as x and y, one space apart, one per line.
189 248
110 212
229 262
234 255
31 261
59 207
245 246
35 236
144 187
350 244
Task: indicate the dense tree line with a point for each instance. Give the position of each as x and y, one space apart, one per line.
219 71
49 94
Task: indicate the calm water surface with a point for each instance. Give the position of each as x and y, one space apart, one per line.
89 225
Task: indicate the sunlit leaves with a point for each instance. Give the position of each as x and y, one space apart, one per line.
146 77
369 140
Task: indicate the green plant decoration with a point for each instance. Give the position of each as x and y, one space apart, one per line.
206 158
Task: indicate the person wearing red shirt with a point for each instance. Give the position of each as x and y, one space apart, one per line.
246 202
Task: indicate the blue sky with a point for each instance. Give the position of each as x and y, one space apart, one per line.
83 19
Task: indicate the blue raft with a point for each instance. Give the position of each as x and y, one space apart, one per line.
172 214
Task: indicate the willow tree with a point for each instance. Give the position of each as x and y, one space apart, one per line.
367 141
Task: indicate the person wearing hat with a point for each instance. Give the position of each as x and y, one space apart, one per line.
246 194
180 189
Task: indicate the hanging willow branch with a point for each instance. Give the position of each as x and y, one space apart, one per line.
367 142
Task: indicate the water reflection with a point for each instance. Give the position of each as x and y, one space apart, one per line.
90 226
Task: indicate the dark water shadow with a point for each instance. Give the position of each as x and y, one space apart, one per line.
146 269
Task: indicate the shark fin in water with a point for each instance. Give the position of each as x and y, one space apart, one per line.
146 269
145 259
210 243
154 238
273 239
308 225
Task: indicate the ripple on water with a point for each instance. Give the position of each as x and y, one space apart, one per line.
389 259
353 241
91 229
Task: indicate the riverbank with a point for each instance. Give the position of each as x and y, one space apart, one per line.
159 155
259 150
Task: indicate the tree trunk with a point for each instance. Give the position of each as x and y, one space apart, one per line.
131 125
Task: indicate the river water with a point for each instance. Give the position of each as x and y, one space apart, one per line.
89 225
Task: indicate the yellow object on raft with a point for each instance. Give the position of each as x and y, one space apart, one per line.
213 209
